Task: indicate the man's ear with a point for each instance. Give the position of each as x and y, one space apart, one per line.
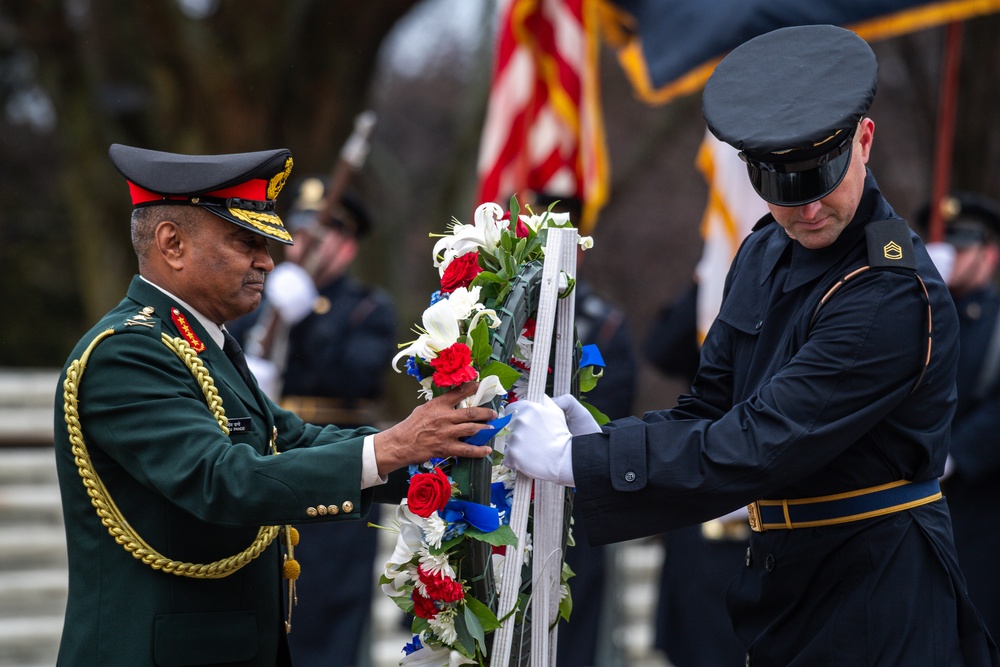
171 243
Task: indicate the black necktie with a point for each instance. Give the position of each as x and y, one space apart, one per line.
235 353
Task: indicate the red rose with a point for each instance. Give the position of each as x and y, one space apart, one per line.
521 231
440 587
429 492
460 272
423 607
453 366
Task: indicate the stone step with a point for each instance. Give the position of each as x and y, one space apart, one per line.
30 641
22 504
29 593
30 547
27 465
27 405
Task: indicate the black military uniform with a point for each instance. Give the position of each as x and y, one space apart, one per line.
698 560
971 489
819 399
337 358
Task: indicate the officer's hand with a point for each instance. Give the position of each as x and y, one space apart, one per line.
578 418
540 444
434 429
291 291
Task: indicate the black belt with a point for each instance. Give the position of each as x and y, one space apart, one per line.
866 503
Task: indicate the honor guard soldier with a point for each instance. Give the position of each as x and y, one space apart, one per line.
176 472
337 344
823 399
972 231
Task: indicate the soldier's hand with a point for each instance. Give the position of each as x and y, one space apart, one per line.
540 444
434 429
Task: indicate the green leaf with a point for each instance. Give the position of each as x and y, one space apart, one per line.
485 277
598 416
474 626
501 537
514 207
487 619
588 379
467 639
507 375
481 348
566 605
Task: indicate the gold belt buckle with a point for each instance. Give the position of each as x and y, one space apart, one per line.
753 513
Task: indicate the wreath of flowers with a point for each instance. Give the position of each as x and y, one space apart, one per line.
477 264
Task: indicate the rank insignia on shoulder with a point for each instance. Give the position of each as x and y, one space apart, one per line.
185 328
141 319
889 244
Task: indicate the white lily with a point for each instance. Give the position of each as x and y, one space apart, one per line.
545 220
441 330
463 239
489 218
465 301
434 657
489 388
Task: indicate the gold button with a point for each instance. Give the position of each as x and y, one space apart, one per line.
321 509
347 506
311 511
333 509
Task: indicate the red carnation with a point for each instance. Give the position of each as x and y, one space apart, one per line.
424 607
440 587
460 272
429 492
453 366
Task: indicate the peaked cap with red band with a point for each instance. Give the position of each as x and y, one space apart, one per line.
238 187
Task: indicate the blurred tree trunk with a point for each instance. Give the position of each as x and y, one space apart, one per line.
248 76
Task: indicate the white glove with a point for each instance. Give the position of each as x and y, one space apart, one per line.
291 291
578 418
266 374
540 442
943 257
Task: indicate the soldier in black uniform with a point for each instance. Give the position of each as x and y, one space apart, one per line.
973 231
823 399
339 345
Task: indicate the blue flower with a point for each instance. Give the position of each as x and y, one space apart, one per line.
437 296
413 369
413 646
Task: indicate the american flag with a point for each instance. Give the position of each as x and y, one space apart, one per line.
544 132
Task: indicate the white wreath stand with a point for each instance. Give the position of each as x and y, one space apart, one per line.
546 561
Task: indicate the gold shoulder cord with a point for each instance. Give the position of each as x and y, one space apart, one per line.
111 517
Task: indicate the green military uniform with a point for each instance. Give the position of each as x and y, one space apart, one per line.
190 491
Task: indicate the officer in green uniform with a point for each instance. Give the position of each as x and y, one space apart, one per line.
176 471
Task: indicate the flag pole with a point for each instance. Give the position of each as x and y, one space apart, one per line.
944 139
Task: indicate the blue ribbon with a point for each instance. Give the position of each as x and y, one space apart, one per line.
591 356
486 519
485 435
502 500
